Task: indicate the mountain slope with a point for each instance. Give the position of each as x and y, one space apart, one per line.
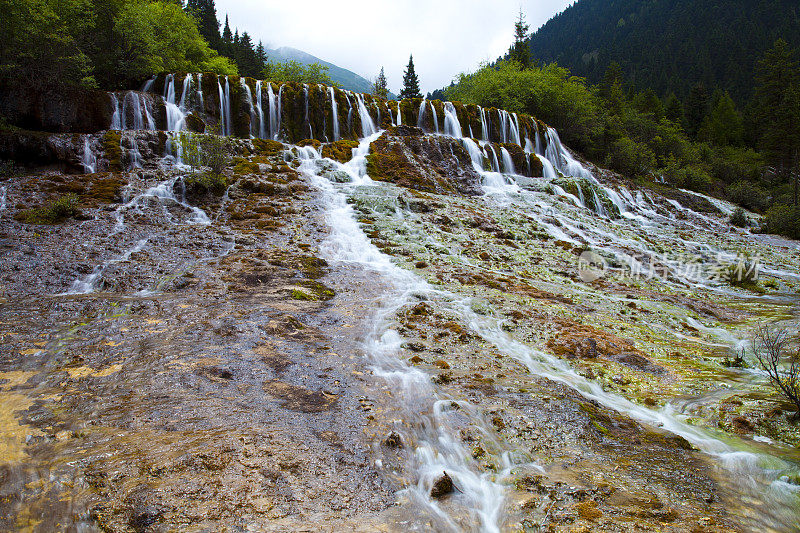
346 78
668 45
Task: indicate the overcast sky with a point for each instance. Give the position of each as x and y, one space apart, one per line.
446 36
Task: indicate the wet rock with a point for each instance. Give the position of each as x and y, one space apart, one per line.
588 510
442 487
393 440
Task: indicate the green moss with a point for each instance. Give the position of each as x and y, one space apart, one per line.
267 147
243 166
195 124
310 142
56 211
112 149
341 151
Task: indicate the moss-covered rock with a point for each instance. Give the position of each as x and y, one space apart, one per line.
433 164
112 149
341 151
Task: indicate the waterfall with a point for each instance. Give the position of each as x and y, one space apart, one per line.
475 153
435 118
495 163
399 115
175 116
503 126
88 158
280 112
484 128
451 124
248 95
274 125
515 130
508 164
421 117
307 121
367 125
335 112
200 91
116 118
262 130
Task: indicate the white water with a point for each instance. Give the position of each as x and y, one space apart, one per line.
421 117
225 121
508 164
433 435
452 126
88 159
399 115
484 127
262 127
3 198
335 114
367 125
435 118
90 282
248 96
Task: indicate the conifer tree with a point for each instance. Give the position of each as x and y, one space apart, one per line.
410 82
205 11
519 51
379 88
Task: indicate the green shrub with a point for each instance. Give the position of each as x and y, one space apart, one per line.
739 219
691 177
749 195
54 212
630 158
783 220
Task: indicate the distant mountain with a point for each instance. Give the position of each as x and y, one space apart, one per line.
347 79
669 45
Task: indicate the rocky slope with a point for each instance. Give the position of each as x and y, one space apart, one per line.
393 331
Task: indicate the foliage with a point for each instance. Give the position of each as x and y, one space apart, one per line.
48 44
779 356
519 51
630 158
410 82
668 46
380 88
54 212
739 218
210 151
783 220
294 71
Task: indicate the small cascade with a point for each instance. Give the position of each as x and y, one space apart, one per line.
91 282
274 116
132 151
116 118
515 129
262 129
495 163
2 198
280 112
200 99
484 127
226 108
367 125
508 163
306 120
88 158
548 170
335 113
175 116
421 117
132 112
248 96
435 118
503 116
598 205
399 115
451 124
475 153
349 113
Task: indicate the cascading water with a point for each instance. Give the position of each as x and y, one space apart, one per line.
451 124
88 159
306 120
262 127
399 115
426 414
274 114
435 118
421 117
484 127
367 125
335 114
248 96
508 163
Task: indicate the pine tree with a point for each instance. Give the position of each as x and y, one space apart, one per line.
519 51
410 82
227 36
379 88
777 100
673 109
695 109
205 11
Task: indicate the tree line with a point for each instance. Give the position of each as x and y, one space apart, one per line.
704 142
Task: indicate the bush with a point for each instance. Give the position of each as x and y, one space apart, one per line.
739 218
630 158
749 195
56 211
783 220
779 356
692 177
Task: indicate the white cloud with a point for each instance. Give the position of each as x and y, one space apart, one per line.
446 36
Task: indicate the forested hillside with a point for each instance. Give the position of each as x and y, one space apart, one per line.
668 45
